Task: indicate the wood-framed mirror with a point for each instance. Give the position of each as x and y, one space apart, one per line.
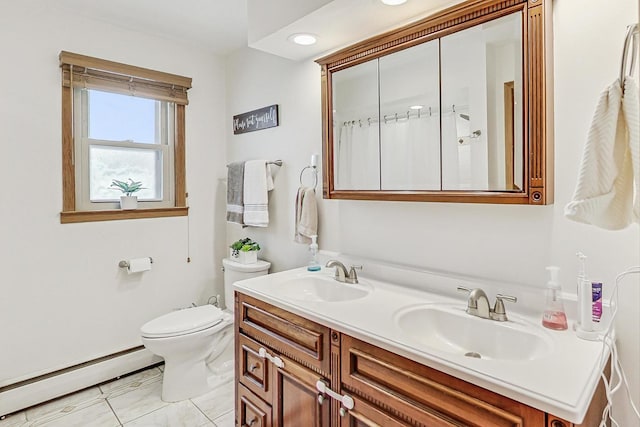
456 107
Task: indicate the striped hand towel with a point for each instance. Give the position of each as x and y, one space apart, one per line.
257 183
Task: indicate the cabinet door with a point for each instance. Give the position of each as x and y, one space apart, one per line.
251 411
296 401
251 369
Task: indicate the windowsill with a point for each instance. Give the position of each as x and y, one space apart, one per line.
118 214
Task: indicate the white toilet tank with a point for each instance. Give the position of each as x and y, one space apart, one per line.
235 271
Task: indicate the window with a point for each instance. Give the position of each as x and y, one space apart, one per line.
121 122
122 137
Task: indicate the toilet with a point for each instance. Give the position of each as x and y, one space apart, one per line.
197 343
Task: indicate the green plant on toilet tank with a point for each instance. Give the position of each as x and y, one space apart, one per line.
127 200
243 245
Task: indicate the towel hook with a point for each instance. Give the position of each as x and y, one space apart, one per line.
314 170
631 39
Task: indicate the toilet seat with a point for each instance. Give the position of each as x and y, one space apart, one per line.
183 322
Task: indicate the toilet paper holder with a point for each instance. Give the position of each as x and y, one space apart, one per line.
125 264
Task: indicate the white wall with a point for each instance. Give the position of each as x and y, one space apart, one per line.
63 298
510 243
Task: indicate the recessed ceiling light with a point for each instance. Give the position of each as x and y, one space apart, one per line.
393 2
304 39
417 107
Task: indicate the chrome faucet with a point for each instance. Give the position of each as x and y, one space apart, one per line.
341 271
478 304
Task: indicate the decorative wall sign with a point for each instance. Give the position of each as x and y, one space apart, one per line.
262 118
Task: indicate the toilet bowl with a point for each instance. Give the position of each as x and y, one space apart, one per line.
186 340
197 343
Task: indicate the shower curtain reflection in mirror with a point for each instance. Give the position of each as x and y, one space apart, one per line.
357 159
410 153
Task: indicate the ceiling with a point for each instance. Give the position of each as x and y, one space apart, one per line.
223 26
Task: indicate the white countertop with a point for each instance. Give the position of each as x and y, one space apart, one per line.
561 381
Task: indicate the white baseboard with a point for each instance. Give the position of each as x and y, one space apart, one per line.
14 399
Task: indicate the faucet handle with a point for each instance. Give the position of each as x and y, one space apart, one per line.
463 289
499 312
353 276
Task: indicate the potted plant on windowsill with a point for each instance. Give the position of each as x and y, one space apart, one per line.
244 251
127 200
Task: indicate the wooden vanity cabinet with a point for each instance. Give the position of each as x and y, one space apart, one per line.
277 387
388 390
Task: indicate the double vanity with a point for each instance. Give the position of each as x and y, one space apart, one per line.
312 350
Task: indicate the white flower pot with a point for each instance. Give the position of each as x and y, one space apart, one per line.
249 257
128 202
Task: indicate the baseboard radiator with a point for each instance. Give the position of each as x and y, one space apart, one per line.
21 395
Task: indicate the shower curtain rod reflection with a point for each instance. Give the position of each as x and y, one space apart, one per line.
386 118
273 162
396 117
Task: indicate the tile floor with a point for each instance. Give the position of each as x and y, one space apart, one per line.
131 401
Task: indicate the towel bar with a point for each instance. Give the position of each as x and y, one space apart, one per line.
273 162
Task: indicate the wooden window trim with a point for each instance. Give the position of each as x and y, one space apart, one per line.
69 213
117 214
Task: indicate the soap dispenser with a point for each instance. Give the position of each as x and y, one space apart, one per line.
554 316
313 249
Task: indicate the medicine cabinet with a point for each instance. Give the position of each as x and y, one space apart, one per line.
453 108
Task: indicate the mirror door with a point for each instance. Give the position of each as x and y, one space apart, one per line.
482 135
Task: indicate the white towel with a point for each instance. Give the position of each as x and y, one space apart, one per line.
604 193
257 183
306 215
631 111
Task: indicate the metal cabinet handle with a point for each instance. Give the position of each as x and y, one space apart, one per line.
253 421
262 352
253 367
346 401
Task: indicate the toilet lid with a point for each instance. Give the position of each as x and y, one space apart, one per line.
182 322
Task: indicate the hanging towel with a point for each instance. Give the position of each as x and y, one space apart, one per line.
604 193
257 183
306 215
235 191
631 110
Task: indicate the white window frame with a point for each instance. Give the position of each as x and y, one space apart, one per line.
164 144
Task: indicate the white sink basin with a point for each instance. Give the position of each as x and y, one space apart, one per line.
450 329
321 289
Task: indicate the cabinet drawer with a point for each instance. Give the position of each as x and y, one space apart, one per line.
420 395
365 415
253 370
251 411
290 335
